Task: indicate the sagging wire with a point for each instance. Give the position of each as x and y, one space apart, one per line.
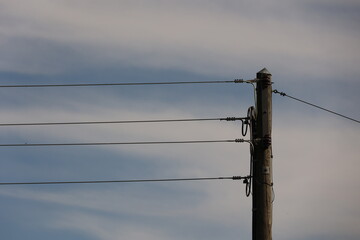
245 126
251 116
272 179
252 82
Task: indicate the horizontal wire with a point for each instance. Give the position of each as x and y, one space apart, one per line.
111 84
126 181
121 122
120 143
316 106
125 84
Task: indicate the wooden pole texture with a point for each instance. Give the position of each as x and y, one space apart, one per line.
262 159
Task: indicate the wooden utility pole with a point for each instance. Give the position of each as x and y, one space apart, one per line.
262 159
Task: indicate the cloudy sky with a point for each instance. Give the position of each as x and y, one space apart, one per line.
312 50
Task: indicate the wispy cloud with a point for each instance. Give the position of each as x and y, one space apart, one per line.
312 49
311 163
193 36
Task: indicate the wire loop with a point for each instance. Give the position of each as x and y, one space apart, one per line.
251 115
244 127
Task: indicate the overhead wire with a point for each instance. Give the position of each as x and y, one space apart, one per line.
122 121
122 143
125 84
126 181
244 122
313 105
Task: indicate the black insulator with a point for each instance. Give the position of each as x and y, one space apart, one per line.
237 177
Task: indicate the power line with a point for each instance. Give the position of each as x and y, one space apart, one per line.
123 84
121 143
122 122
127 181
316 106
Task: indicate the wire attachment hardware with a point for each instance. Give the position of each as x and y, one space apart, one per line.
281 93
246 181
266 141
238 178
244 127
230 119
239 81
255 80
267 81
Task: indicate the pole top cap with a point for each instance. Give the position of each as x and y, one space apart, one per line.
264 71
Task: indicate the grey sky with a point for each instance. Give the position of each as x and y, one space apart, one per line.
186 35
310 47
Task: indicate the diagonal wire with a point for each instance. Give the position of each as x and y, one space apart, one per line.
122 122
121 143
126 181
316 106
